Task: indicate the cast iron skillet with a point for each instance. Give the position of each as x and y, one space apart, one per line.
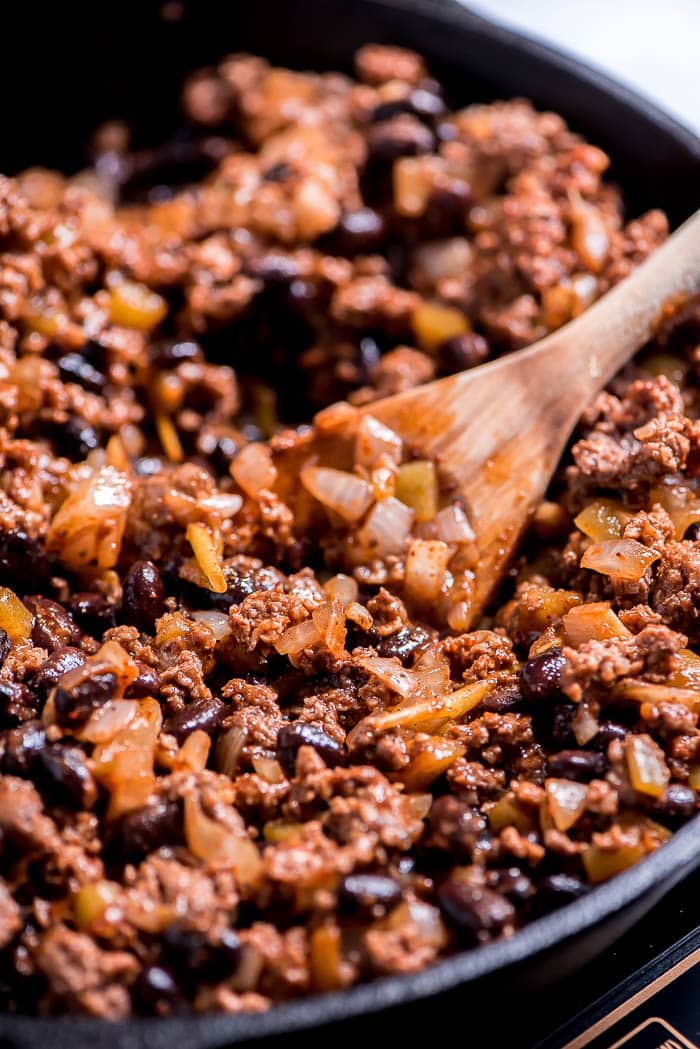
77 71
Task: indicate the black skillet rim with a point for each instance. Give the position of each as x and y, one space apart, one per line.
670 862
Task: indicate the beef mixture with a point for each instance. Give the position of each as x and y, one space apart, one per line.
252 743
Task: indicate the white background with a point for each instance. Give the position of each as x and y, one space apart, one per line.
653 45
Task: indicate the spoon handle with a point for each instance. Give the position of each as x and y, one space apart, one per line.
602 339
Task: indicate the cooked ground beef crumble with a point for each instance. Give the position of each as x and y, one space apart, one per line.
252 745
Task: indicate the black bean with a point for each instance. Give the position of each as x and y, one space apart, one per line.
93 612
53 627
460 352
170 354
557 889
358 232
21 748
608 731
53 668
678 803
540 676
402 136
476 912
579 765
76 439
426 103
146 829
454 827
156 992
503 699
240 583
512 883
273 268
299 734
370 894
5 646
189 951
74 368
147 466
559 728
143 596
278 172
403 643
23 561
81 691
18 703
68 778
145 684
204 714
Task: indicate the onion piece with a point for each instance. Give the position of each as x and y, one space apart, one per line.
204 547
426 565
646 765
647 692
430 713
169 438
386 529
375 441
592 622
298 637
329 620
390 673
253 469
87 530
268 769
15 618
342 588
438 259
358 614
584 725
589 234
433 323
417 487
435 756
109 719
218 622
602 519
325 958
566 801
619 558
347 495
603 864
135 306
228 750
681 503
194 752
452 525
219 847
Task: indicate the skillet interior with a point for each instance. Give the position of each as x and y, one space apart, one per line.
132 66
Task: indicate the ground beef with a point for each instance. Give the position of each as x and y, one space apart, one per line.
244 756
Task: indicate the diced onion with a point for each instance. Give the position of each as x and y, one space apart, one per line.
647 692
390 673
169 438
228 750
344 493
434 323
358 614
135 306
87 530
325 958
109 719
298 637
681 503
430 713
602 864
194 752
218 622
386 529
268 769
566 801
438 259
374 440
342 588
434 757
647 768
452 526
589 234
602 519
205 549
253 469
426 565
619 558
329 620
217 846
592 622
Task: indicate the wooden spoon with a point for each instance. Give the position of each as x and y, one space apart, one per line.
498 431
